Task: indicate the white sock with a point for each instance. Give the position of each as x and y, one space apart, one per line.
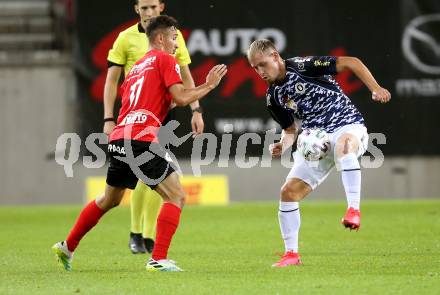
351 179
290 221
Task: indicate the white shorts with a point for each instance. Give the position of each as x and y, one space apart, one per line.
315 172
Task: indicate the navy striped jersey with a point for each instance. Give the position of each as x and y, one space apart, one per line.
310 94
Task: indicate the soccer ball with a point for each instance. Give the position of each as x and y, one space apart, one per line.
313 144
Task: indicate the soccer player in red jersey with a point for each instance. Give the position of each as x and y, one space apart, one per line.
149 90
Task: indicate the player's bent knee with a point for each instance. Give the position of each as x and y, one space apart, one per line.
346 144
172 191
179 195
294 190
106 203
290 194
111 199
182 199
115 203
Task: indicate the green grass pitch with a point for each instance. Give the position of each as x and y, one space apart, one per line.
229 250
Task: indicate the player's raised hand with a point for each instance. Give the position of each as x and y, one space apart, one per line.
276 149
216 74
381 95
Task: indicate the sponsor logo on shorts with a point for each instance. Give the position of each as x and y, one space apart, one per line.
116 149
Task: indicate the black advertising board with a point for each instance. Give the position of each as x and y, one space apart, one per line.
398 41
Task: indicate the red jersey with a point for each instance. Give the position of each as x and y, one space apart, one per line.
145 97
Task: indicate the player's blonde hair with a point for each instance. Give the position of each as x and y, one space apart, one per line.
260 45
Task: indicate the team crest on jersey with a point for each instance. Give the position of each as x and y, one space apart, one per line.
300 88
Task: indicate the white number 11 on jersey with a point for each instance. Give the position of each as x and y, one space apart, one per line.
135 91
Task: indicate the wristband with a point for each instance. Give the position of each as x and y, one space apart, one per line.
198 110
110 119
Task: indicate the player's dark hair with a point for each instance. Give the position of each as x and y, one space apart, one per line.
159 23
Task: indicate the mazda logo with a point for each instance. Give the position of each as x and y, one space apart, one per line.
419 44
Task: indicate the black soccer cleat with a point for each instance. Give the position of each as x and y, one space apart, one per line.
149 245
136 244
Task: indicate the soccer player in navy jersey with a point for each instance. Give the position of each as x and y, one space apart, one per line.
149 89
301 89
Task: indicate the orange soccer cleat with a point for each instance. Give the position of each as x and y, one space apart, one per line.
352 219
289 258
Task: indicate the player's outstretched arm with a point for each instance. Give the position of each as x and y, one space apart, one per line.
183 97
355 65
288 138
110 93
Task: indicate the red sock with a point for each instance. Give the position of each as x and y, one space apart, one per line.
167 223
87 219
